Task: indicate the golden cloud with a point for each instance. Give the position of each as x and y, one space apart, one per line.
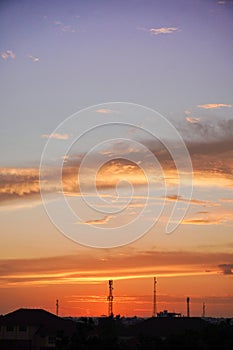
56 136
117 170
104 111
63 269
192 120
24 182
214 105
191 201
212 166
17 182
214 218
203 221
102 221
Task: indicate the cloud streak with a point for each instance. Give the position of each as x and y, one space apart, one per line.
221 216
192 120
163 30
56 136
202 221
104 111
191 201
63 269
214 105
102 221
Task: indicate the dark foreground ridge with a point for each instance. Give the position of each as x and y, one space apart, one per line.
37 329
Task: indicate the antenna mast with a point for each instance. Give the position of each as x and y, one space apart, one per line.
203 310
57 306
188 307
110 299
154 303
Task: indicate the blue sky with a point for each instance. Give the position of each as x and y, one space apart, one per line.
92 52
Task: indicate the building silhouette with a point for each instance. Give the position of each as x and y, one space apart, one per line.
33 329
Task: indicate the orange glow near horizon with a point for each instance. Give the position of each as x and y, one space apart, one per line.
131 297
84 292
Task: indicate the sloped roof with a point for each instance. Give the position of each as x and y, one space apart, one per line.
38 317
29 317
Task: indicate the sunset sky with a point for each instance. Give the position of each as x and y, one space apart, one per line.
61 57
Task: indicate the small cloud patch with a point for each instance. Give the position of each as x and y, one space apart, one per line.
56 136
7 54
163 30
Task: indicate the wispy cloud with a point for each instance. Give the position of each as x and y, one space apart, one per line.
192 201
67 28
227 200
104 111
222 216
63 27
7 54
163 30
145 299
33 58
21 204
63 269
102 221
56 136
192 120
214 105
225 2
211 221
